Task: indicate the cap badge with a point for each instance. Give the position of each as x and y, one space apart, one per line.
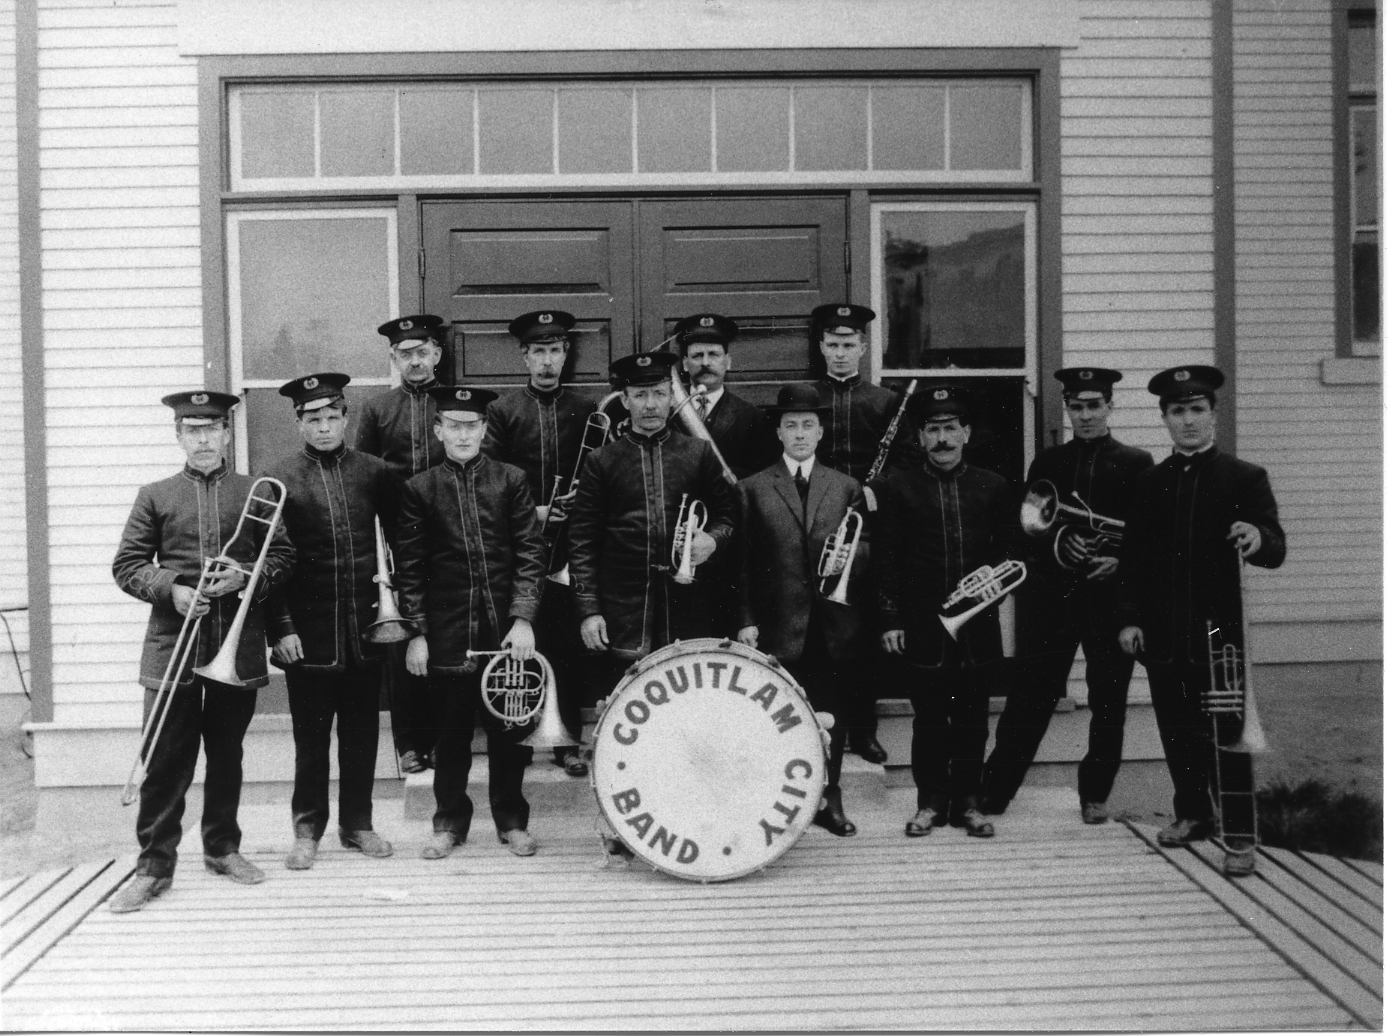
643 361
844 311
941 394
198 398
310 384
706 321
546 318
462 395
407 325
1181 376
1086 375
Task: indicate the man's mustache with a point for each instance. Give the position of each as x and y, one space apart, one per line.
943 447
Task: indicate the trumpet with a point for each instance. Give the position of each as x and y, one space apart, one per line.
1042 511
692 518
693 424
515 692
597 422
390 627
1230 693
983 586
836 559
222 668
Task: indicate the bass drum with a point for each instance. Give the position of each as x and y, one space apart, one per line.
707 760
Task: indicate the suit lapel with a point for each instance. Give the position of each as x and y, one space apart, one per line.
819 485
785 485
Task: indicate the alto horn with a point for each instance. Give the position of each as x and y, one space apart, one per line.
390 627
515 692
1042 511
693 517
983 586
836 559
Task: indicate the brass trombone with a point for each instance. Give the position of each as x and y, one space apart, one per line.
693 517
1042 511
222 668
985 585
602 424
390 627
836 559
515 692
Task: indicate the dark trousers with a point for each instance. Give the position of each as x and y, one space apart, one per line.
948 736
825 682
413 722
458 698
1041 677
214 717
1188 738
558 639
315 697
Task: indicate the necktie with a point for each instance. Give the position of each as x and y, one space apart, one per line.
802 485
701 402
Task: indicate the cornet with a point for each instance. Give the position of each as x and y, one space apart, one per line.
836 559
1042 511
389 627
983 586
692 518
222 668
515 692
597 422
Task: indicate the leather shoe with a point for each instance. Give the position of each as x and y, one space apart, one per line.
440 845
831 816
1240 858
1183 832
974 825
616 850
236 867
410 762
303 854
520 842
922 823
368 843
869 749
573 764
1093 812
993 806
142 888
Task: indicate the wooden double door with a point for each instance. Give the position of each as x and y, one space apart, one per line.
628 269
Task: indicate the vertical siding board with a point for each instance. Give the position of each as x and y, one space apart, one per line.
14 576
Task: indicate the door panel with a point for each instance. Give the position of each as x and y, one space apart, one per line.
765 262
489 262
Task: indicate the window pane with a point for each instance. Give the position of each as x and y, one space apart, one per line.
674 130
357 132
955 288
595 131
313 292
753 129
985 127
435 132
517 131
1364 126
908 127
1366 278
831 127
277 133
1363 51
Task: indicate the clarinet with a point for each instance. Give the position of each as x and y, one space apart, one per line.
886 445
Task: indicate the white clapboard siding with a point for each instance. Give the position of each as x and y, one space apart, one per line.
14 584
122 313
1331 500
1136 218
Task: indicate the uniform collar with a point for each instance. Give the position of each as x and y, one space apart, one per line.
649 440
544 397
411 390
1093 444
839 384
215 475
1176 451
945 476
469 466
326 456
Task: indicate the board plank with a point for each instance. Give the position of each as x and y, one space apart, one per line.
64 919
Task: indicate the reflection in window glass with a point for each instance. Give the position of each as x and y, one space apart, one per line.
277 133
1363 50
1362 59
955 286
313 292
1366 274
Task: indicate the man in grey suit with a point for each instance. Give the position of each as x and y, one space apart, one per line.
787 512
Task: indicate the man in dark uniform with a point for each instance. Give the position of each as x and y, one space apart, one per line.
942 521
318 619
1195 519
861 412
471 560
623 527
1069 600
175 525
540 429
397 425
786 514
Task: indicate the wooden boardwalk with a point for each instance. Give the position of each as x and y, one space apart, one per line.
1093 928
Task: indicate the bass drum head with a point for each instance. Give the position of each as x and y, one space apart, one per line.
707 760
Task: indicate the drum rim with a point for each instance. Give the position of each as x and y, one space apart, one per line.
658 657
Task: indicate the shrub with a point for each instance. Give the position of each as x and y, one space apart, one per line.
1316 818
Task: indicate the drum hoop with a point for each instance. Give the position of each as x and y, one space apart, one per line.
661 656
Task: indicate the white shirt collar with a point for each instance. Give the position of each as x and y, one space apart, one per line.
793 465
714 397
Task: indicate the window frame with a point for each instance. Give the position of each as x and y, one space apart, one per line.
1345 99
